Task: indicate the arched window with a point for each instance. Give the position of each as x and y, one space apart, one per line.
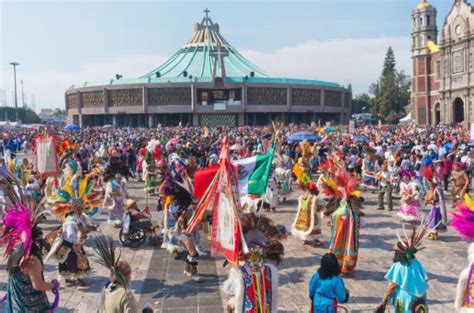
421 21
428 18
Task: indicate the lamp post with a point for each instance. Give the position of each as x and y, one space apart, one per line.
15 64
22 94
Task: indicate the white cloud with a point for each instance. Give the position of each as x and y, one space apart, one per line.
355 61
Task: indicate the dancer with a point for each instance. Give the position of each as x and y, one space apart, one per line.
282 176
71 205
459 180
116 295
115 174
177 189
463 222
307 223
437 219
346 213
26 288
253 286
410 202
407 277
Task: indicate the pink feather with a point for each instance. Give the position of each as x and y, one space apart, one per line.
463 222
17 228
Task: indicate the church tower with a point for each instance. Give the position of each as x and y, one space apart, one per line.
424 30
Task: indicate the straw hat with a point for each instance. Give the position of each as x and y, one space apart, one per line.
130 203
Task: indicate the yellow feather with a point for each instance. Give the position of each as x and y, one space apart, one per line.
356 194
82 187
68 188
469 202
298 171
330 183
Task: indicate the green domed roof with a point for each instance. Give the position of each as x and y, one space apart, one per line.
206 54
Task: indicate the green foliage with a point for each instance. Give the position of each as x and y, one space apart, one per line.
25 115
360 102
59 113
391 92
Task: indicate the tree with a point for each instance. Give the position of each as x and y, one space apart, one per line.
25 115
391 91
59 113
362 103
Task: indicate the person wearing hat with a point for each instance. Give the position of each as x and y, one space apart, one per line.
130 208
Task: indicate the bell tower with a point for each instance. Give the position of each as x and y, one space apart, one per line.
424 28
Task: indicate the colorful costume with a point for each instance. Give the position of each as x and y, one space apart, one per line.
252 287
437 218
116 171
74 263
282 175
410 203
23 239
463 222
346 214
72 204
407 276
307 223
115 195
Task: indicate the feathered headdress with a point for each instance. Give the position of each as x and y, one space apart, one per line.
342 186
463 219
304 179
20 221
106 250
260 231
76 194
410 245
328 166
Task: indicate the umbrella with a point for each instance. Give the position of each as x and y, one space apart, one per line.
107 126
300 136
72 127
362 138
329 129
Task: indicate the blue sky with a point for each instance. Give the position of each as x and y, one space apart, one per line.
62 43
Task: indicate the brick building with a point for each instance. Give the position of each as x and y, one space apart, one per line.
443 70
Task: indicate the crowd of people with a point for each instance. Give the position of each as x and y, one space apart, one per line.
189 172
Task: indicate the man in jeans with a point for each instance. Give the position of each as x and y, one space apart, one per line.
384 178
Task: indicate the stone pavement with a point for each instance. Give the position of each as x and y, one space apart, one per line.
158 279
443 261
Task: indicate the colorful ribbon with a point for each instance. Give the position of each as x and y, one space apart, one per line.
56 295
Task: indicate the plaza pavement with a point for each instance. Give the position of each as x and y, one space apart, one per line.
158 279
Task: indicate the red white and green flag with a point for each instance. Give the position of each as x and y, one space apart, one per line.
221 198
253 174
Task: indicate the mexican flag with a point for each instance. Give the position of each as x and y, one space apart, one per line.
253 173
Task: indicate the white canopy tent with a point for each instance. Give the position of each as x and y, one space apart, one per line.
406 119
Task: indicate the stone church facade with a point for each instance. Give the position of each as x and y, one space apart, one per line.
443 70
